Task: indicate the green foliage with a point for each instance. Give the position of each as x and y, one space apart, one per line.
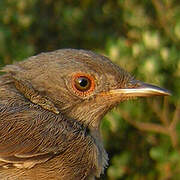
143 37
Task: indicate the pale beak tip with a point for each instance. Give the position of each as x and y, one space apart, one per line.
142 90
155 90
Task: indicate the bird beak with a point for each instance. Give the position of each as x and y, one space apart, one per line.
141 90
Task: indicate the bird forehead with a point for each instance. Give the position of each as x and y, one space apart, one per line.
90 63
95 64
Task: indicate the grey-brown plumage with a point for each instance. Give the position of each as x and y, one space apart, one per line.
51 106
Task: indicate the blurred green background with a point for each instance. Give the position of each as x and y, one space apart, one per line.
142 36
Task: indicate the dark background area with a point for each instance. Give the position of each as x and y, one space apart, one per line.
142 36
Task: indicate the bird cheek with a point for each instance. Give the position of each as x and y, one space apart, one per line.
112 99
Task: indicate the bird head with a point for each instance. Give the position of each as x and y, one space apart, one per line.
78 84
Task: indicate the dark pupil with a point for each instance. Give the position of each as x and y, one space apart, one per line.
83 82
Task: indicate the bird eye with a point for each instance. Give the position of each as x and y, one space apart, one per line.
83 83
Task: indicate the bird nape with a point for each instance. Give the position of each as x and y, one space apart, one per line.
51 106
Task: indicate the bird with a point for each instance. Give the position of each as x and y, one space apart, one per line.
51 107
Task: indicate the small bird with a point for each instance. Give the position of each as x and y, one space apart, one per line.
51 106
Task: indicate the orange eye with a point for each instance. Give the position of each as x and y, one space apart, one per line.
83 83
